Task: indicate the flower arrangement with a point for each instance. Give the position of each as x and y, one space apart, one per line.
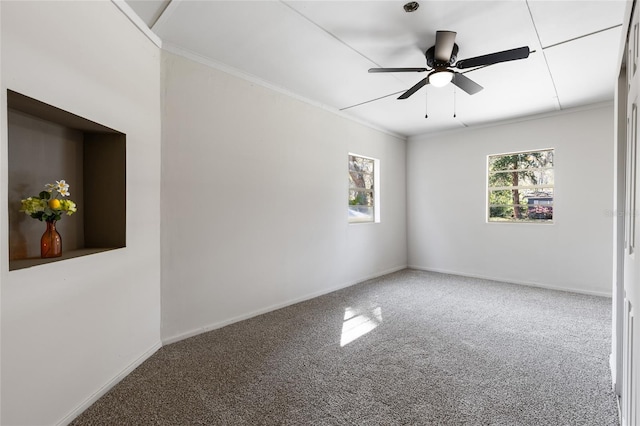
46 206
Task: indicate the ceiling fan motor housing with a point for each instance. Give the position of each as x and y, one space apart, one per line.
433 63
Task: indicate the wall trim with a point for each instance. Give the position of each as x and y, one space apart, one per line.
598 105
110 384
179 51
612 369
220 324
518 282
137 21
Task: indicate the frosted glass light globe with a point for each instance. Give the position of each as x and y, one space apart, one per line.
440 78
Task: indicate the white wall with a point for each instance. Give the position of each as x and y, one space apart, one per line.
255 200
446 193
69 328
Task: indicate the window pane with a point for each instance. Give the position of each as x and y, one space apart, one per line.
521 205
522 178
360 180
540 204
360 198
360 214
502 205
360 164
522 160
503 197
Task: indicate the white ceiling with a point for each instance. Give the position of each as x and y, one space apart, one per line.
321 51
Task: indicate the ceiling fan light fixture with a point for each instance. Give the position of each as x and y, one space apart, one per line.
440 78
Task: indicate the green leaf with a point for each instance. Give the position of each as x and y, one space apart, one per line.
44 195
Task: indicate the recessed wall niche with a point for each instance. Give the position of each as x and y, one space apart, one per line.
47 144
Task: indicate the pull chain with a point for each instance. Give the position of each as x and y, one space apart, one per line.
454 101
426 105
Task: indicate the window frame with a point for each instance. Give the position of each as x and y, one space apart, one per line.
541 188
375 190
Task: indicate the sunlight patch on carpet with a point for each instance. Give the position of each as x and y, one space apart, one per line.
357 323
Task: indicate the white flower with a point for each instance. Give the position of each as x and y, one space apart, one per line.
62 187
49 187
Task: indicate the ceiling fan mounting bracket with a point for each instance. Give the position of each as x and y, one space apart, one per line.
434 63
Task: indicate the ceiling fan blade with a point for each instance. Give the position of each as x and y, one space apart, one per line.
397 70
414 89
444 45
494 58
466 84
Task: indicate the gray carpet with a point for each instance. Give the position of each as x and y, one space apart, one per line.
423 349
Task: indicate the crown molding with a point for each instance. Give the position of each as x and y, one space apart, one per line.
179 51
137 21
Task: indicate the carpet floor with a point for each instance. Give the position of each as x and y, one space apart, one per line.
409 348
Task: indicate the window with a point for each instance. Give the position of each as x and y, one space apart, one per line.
521 187
363 189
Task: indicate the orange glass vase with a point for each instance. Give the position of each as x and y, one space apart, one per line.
51 242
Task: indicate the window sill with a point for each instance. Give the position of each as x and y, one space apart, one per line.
522 222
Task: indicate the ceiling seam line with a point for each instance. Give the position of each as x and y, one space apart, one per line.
335 37
553 83
328 32
372 100
582 36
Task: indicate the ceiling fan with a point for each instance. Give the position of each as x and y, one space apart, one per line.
441 59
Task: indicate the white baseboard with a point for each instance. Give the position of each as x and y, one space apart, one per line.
220 324
111 383
509 281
